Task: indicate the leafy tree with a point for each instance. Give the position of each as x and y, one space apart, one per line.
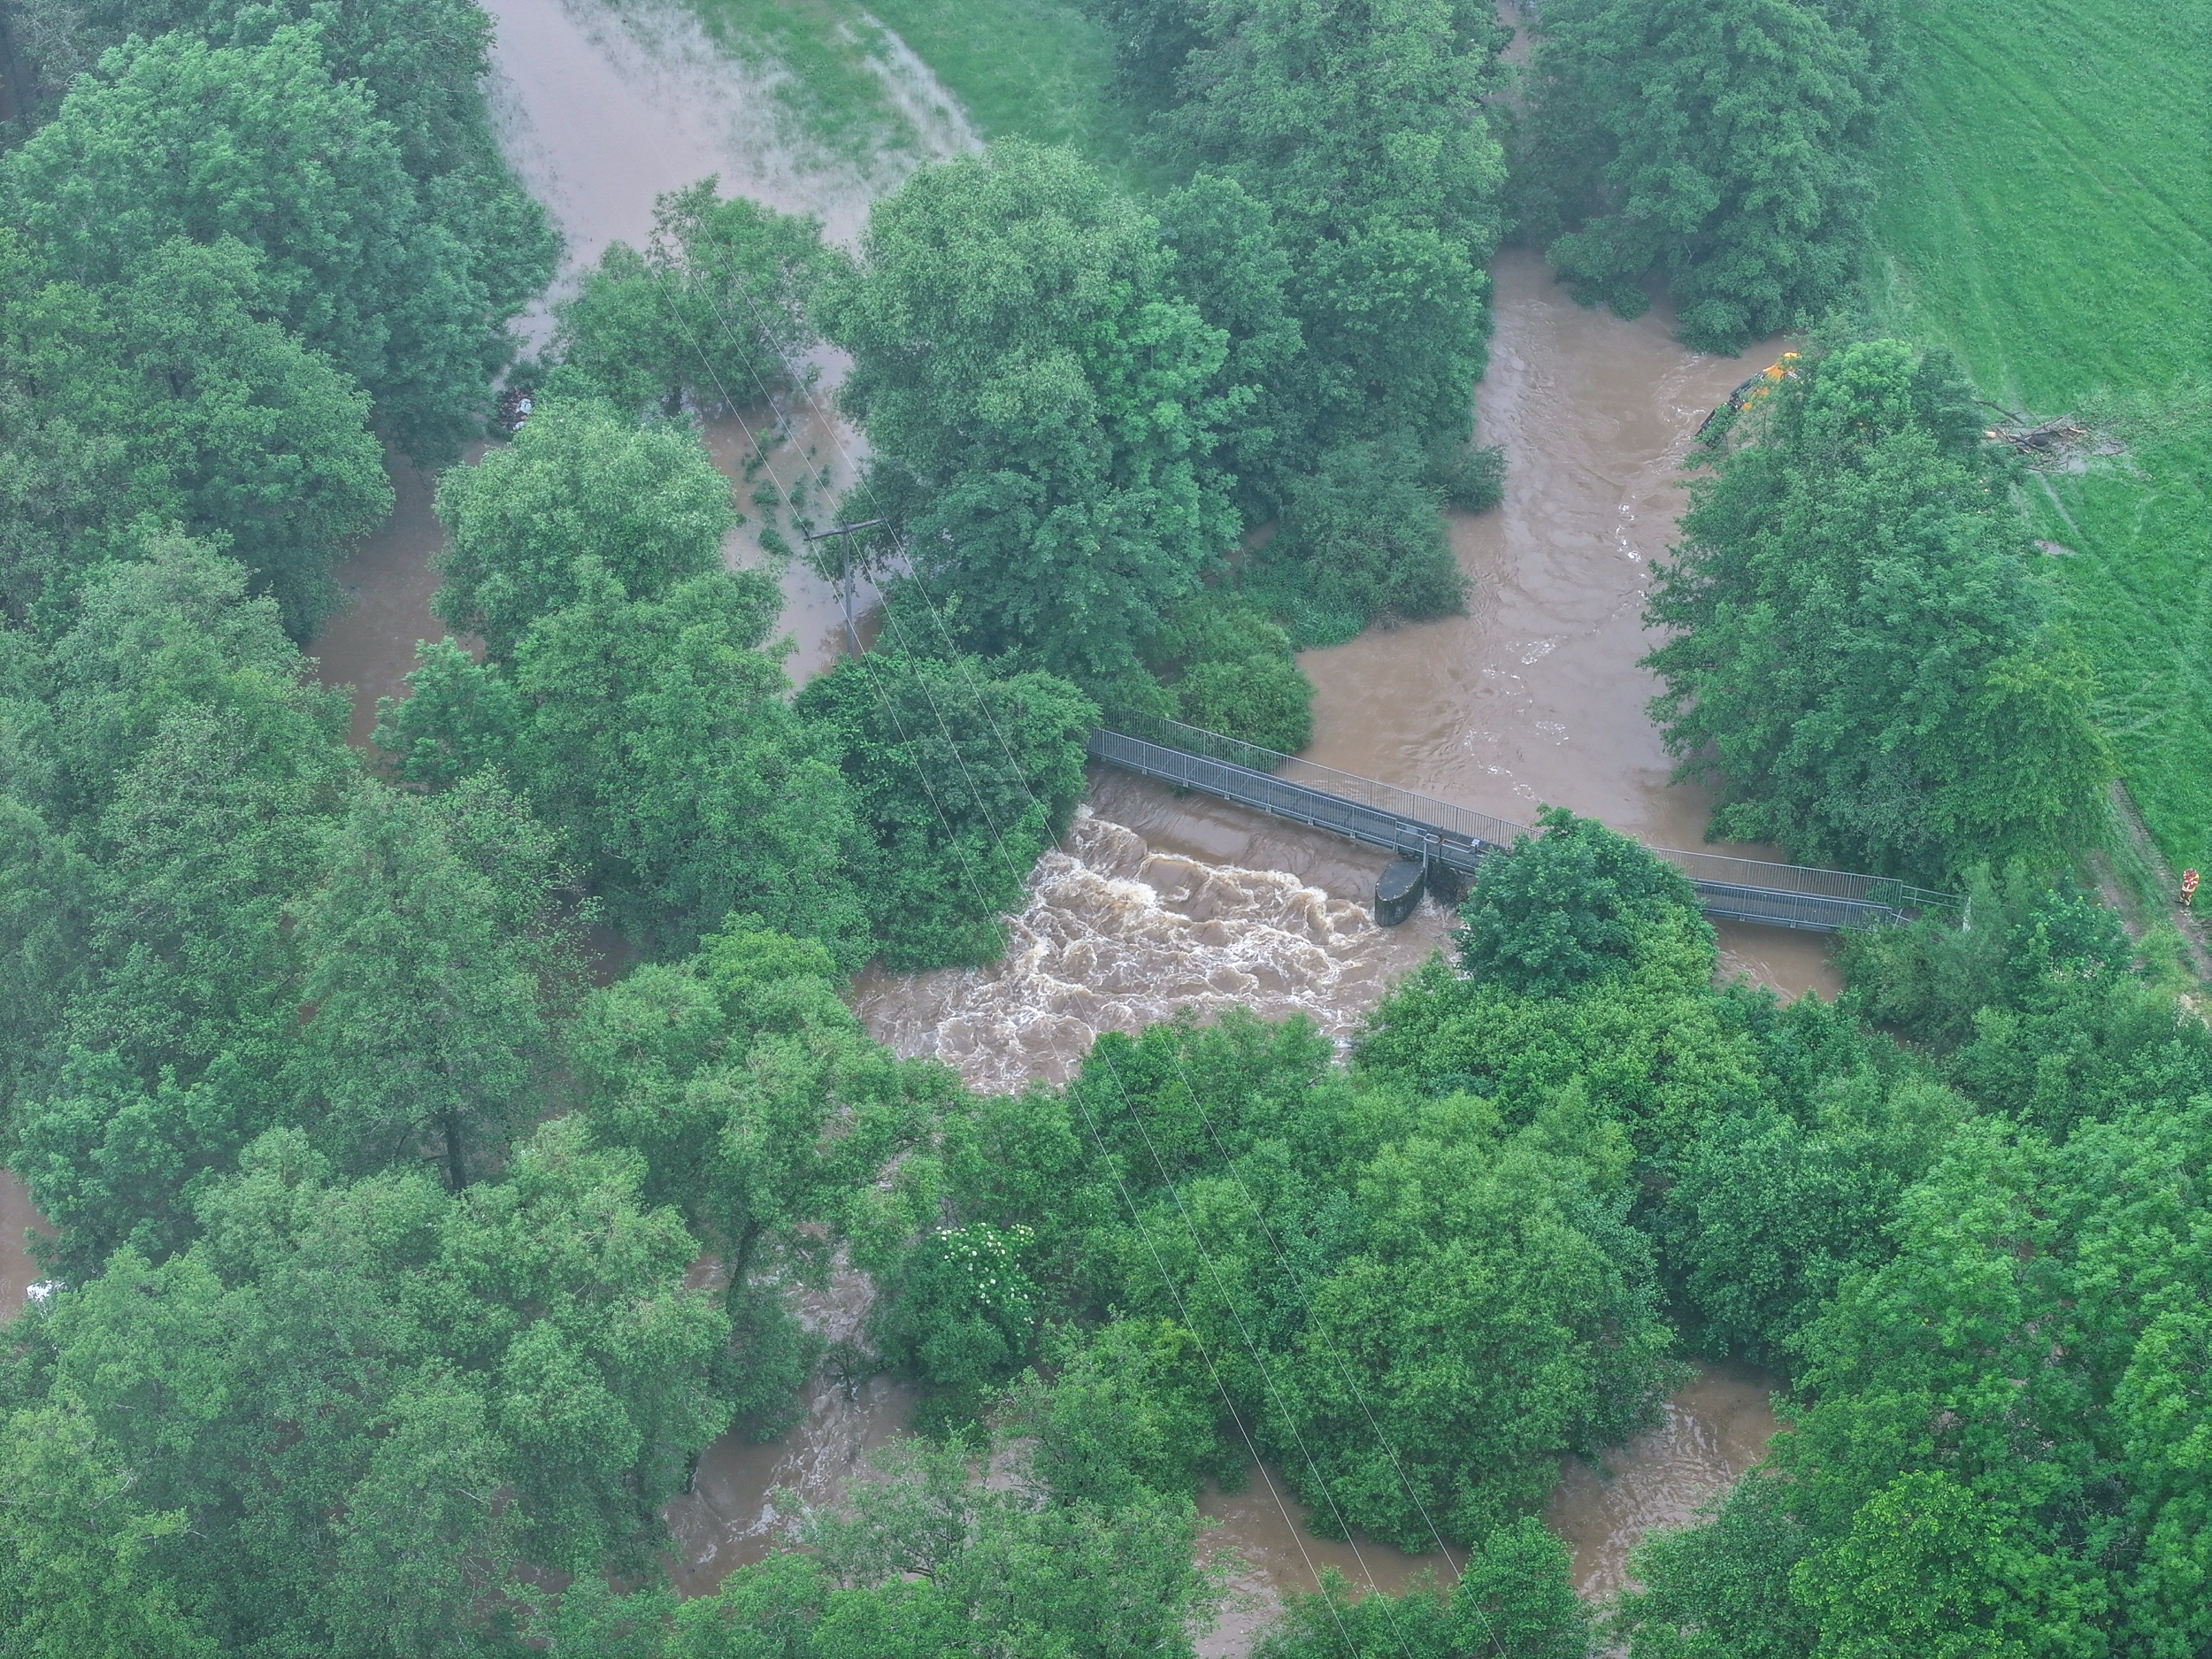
75 1547
1720 1589
1131 1406
2038 1011
1492 1316
1415 1310
654 733
1724 147
961 778
1031 1160
1362 129
1992 1427
1569 906
1042 406
766 1118
1515 1598
1232 265
164 396
1648 1044
1859 657
714 311
367 1404
1152 38
1362 540
579 481
1771 1214
962 1316
1234 672
174 138
195 769
420 58
433 959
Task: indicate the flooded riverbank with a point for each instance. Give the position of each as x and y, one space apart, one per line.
1155 901
1710 1432
19 1219
745 1494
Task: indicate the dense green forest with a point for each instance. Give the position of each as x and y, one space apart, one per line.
381 1185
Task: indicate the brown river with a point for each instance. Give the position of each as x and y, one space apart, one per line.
1153 902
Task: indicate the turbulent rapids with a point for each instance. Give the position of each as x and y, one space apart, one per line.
1117 935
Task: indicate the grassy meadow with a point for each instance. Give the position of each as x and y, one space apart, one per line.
2046 211
1030 68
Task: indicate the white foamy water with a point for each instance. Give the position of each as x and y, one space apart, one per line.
1117 935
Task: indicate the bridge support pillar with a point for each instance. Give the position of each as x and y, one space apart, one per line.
1446 886
1399 890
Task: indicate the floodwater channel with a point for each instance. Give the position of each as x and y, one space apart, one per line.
18 1221
1155 902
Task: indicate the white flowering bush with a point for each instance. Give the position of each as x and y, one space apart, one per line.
963 1313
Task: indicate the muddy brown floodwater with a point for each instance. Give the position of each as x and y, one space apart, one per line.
18 1221
1159 900
1155 902
1534 696
1709 1433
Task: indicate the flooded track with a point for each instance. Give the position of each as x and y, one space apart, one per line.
1712 1431
388 581
745 1493
18 1221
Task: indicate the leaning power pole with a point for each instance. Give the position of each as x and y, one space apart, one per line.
852 638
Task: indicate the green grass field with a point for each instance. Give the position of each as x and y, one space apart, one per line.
1030 68
2046 211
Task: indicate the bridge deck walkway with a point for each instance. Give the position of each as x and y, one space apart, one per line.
1456 838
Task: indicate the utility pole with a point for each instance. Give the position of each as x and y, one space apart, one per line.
852 638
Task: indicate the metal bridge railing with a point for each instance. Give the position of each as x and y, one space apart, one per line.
1165 739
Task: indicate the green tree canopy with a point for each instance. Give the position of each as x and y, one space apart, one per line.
435 956
713 313
1231 264
1362 129
1362 538
1860 655
1232 670
765 1116
349 1413
182 752
421 59
645 504
657 735
1411 1307
1999 1433
962 779
1722 146
165 397
1041 403
175 138
1455 1314
1570 905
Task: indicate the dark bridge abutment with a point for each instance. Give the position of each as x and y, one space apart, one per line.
1398 890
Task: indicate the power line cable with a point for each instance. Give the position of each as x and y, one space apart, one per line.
1295 1278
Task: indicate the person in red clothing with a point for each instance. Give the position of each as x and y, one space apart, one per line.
2188 887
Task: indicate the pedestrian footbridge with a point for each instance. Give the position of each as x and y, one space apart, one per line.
1439 845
